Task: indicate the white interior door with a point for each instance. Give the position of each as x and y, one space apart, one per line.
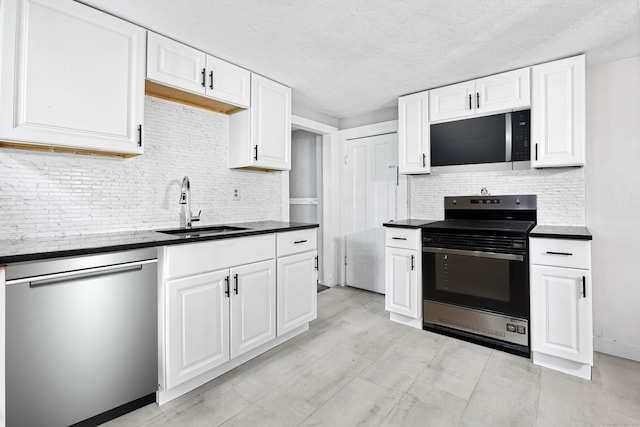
371 200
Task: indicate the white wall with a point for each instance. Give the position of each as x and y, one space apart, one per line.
613 203
51 194
560 192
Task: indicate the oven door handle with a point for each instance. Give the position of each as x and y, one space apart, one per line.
481 254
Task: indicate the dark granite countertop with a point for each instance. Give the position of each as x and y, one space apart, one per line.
62 246
408 223
561 232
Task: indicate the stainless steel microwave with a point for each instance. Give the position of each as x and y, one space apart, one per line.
497 142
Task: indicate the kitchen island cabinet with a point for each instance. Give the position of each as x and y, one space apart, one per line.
58 91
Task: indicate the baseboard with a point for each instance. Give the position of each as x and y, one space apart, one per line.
409 321
582 370
617 348
164 396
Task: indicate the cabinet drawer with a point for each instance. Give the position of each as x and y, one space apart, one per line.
560 252
293 242
407 238
201 257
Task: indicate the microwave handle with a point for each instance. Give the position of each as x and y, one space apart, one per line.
508 141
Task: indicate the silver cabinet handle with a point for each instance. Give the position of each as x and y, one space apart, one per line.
398 238
481 254
48 279
299 241
559 253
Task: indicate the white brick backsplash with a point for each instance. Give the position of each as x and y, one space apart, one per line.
64 194
560 191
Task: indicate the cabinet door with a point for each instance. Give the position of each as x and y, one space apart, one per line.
297 290
452 102
558 113
72 77
253 306
401 282
197 325
270 124
176 64
561 322
503 92
228 82
414 156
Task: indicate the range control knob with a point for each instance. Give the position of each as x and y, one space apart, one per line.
517 201
455 202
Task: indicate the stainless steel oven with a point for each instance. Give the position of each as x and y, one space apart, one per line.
476 271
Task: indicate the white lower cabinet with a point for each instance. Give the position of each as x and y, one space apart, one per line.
402 279
297 290
214 317
253 306
561 307
198 325
224 302
403 264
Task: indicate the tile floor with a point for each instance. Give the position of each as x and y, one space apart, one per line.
355 367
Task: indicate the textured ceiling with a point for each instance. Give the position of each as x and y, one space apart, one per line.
345 58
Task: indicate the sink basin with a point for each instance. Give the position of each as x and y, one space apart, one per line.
201 231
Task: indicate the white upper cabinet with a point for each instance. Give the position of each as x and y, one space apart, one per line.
503 92
175 64
492 94
452 102
72 77
414 155
558 113
260 137
228 82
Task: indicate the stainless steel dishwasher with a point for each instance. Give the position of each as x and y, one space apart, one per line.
81 339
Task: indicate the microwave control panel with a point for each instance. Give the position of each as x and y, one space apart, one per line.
520 131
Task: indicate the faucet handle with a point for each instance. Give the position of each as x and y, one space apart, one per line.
195 218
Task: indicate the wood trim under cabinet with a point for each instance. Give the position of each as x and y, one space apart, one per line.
175 95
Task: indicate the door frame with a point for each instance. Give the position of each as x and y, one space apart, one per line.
402 204
331 181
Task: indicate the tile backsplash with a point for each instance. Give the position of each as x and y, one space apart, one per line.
560 191
50 194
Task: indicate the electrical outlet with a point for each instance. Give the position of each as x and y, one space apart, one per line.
236 194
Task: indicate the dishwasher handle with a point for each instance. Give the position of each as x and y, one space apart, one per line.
50 279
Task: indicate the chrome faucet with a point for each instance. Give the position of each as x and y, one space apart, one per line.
185 199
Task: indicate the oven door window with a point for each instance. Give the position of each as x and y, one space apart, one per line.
472 276
499 285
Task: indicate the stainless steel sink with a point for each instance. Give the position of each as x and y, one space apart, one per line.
202 231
